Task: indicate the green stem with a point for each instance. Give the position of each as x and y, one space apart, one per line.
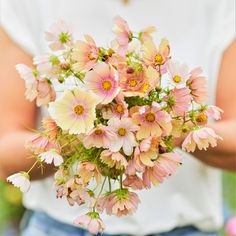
121 181
32 167
109 181
104 181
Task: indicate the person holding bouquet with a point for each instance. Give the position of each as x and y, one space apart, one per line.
201 33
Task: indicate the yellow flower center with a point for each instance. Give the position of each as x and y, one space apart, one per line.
79 110
98 131
145 87
106 85
90 56
119 108
177 79
150 117
201 118
159 59
122 131
110 52
133 83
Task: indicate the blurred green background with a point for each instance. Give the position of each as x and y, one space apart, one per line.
11 209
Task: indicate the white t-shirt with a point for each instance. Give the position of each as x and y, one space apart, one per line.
198 32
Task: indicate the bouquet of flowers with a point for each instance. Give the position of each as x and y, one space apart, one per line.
115 116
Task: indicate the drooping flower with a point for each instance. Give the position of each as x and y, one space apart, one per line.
99 137
36 87
29 76
75 192
213 112
135 164
120 202
38 143
157 57
87 171
85 54
202 137
51 156
102 80
179 74
51 127
91 221
134 182
74 111
59 35
179 100
73 189
153 121
20 180
164 166
123 34
198 86
113 159
45 93
124 129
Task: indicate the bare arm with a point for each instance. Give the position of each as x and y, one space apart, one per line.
16 112
224 155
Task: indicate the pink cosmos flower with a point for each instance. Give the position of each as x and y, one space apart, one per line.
102 80
153 121
135 164
149 151
85 54
29 76
99 137
124 129
198 86
39 143
20 180
119 203
140 83
178 74
134 182
79 196
213 112
203 137
157 57
51 156
179 100
74 111
164 166
123 34
59 35
117 109
45 93
231 227
87 171
73 189
51 127
91 221
113 159
36 88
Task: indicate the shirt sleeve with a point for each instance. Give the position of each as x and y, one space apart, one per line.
221 36
19 20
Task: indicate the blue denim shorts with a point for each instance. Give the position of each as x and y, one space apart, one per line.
40 224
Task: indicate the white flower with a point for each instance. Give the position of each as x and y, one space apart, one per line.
51 156
179 74
20 180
